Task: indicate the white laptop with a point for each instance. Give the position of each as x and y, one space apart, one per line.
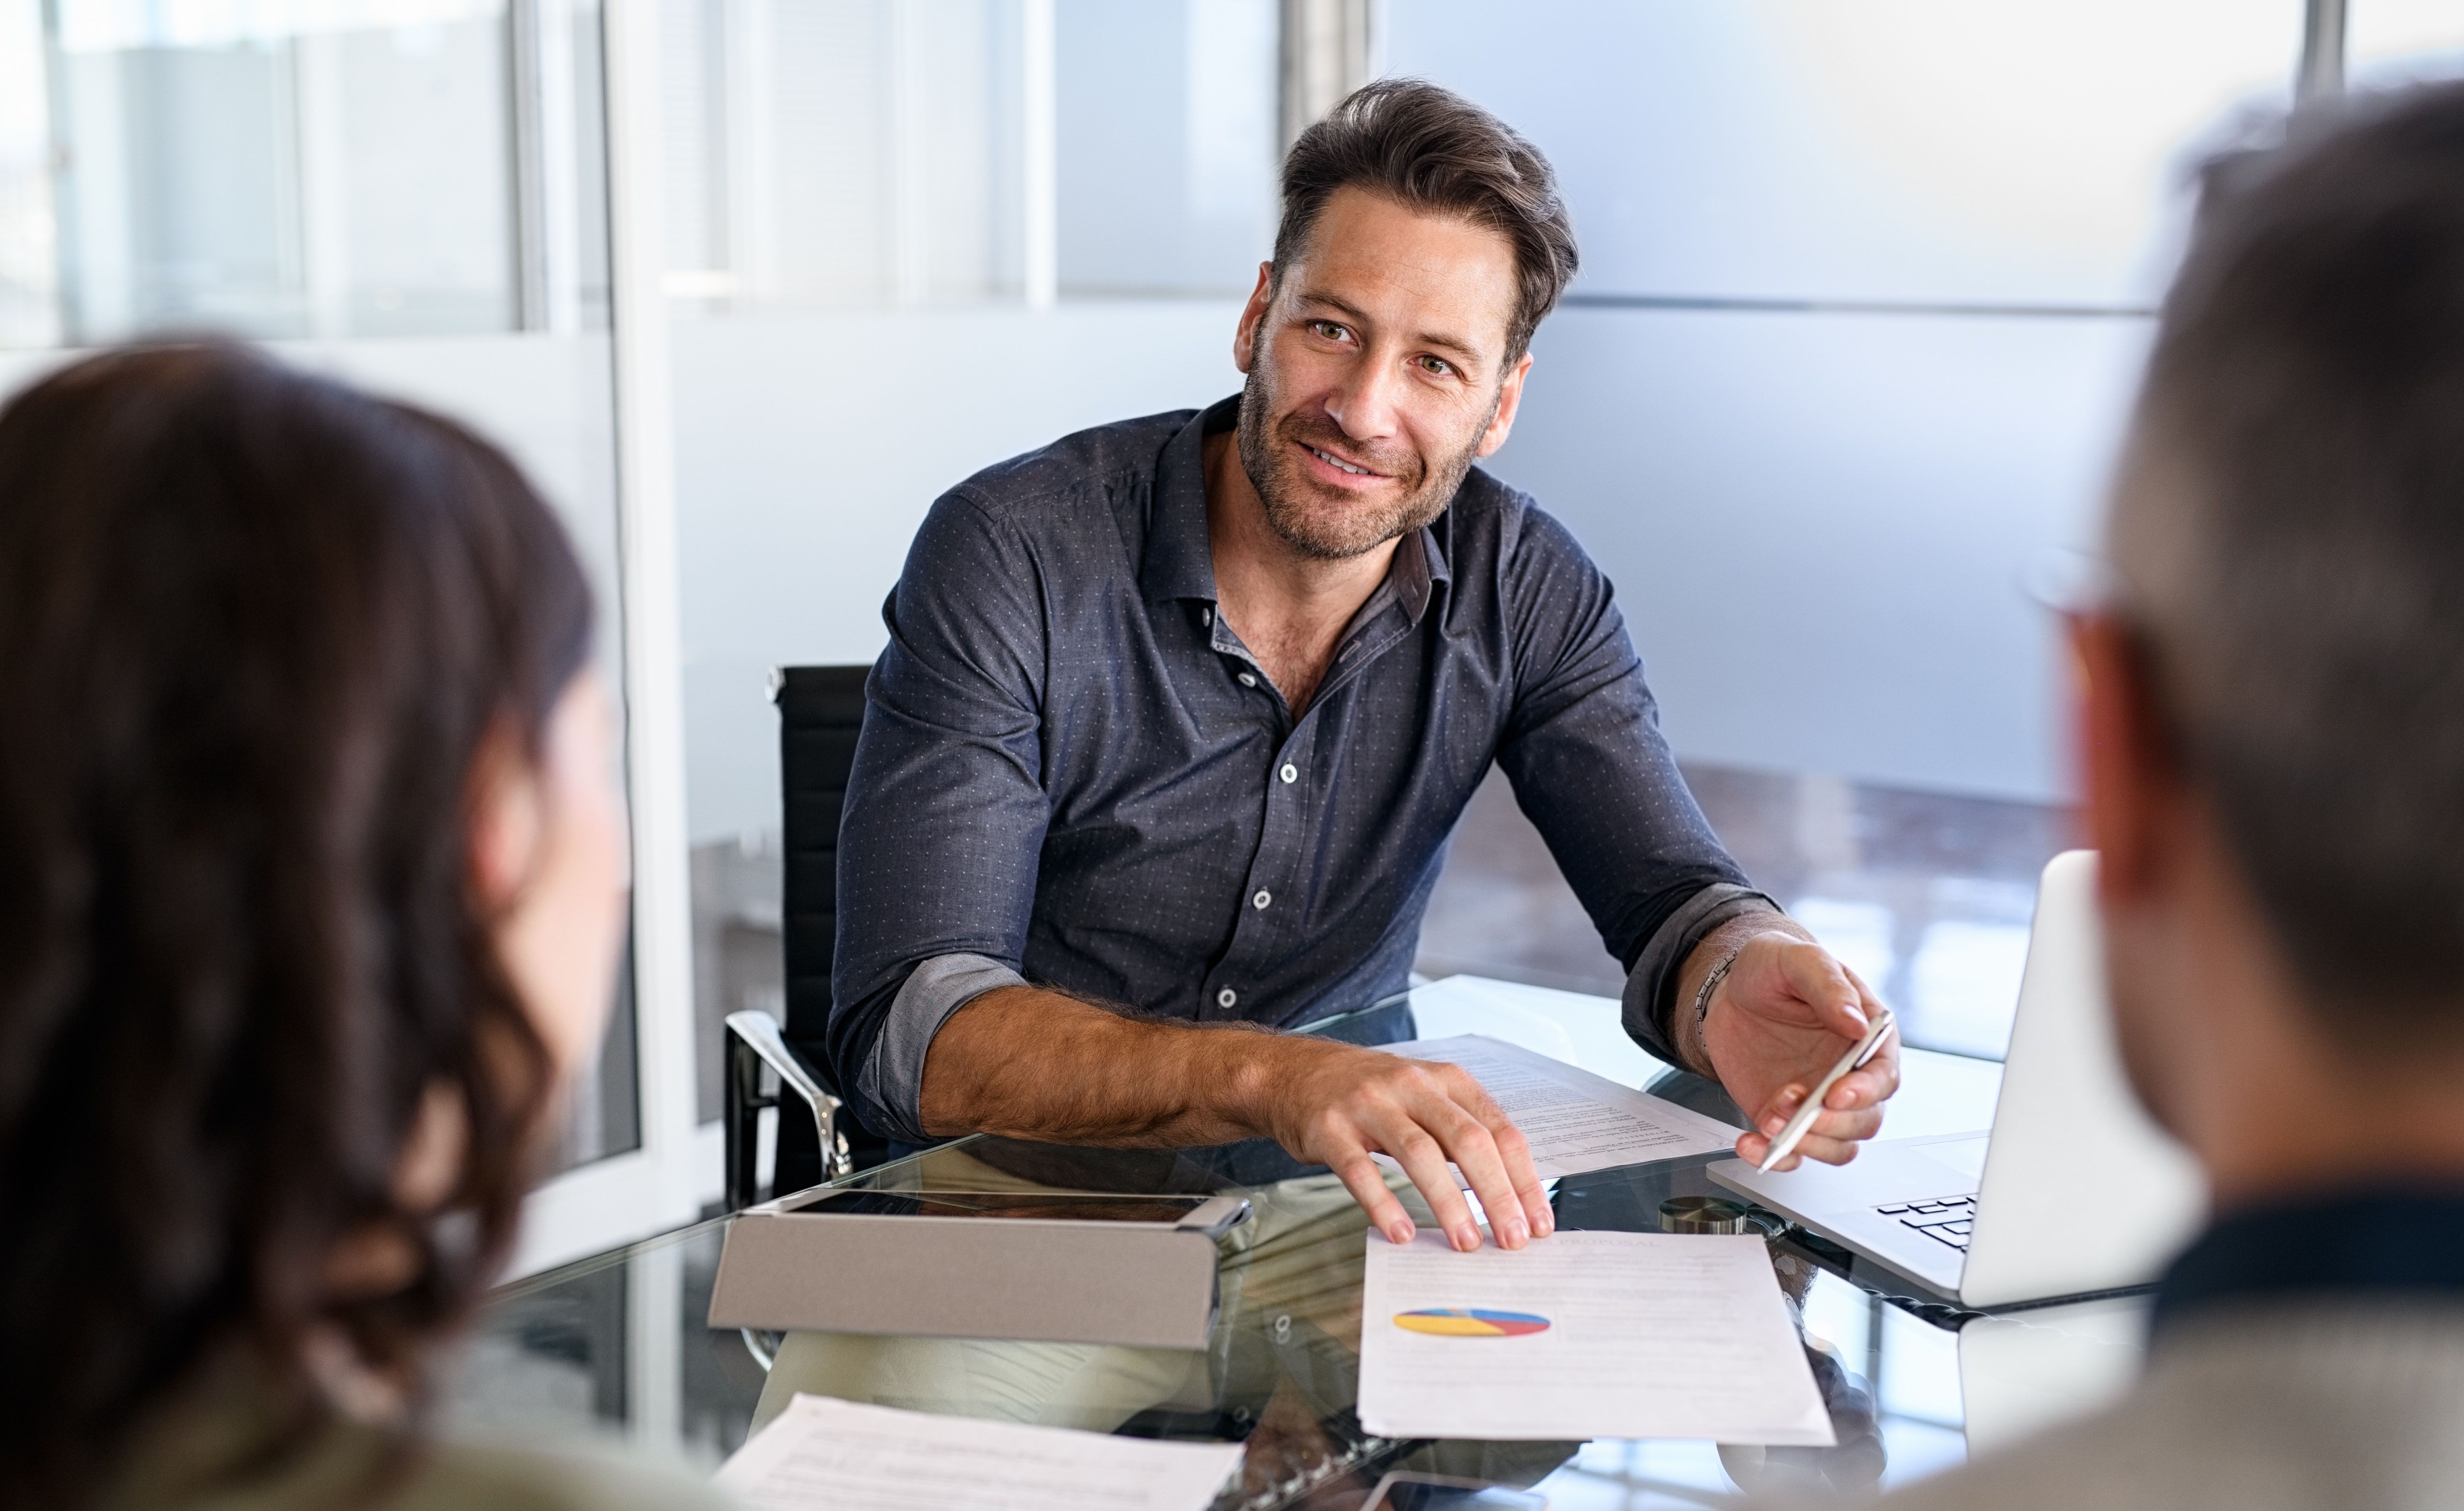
2074 1191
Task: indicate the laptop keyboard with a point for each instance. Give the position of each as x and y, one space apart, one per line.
1946 1219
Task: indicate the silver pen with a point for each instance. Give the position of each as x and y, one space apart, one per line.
1863 1050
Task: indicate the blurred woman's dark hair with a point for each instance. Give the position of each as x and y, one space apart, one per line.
257 630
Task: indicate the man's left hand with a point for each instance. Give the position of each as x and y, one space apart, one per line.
1780 1020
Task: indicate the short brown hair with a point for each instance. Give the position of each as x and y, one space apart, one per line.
1430 149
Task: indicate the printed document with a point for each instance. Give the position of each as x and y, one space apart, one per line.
1577 1122
1584 1335
826 1455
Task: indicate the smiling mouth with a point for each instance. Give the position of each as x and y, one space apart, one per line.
1336 462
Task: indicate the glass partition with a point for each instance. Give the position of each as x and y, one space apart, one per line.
841 151
1168 149
1922 151
284 172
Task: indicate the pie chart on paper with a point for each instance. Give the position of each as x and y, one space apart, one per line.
1470 1322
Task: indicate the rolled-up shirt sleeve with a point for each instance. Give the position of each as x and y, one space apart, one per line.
1593 774
946 810
1650 1001
892 1078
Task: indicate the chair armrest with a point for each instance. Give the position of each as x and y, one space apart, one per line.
760 1033
753 1042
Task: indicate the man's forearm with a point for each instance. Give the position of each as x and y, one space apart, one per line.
1032 1064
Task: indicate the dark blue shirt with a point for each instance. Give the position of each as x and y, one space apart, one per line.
1073 773
2391 1243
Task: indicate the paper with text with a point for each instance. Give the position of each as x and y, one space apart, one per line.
827 1454
1584 1335
1577 1122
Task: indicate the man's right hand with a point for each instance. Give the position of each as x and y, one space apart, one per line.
1335 1105
1031 1064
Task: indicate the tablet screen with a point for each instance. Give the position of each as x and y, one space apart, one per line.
1046 1205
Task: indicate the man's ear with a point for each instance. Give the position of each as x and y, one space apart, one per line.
1509 398
507 821
2128 771
1245 339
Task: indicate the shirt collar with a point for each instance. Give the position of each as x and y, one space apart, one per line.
1179 560
2371 1242
1416 572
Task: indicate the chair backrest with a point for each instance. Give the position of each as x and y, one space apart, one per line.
820 711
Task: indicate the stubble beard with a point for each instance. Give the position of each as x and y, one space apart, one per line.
1299 512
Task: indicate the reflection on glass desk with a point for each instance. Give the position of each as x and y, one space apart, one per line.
619 1342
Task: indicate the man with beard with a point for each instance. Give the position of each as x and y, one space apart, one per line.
1178 713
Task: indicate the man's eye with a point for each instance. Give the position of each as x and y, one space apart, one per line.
1327 329
1437 366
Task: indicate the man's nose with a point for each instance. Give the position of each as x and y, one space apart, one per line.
1365 406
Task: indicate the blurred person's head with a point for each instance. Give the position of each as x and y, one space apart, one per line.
1387 343
311 876
2274 707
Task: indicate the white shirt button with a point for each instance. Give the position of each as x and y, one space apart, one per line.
1263 898
1226 997
1248 681
1290 773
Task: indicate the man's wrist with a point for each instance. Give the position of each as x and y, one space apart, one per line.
1236 1071
1661 979
1694 1038
1725 949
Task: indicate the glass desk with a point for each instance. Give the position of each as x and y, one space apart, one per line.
619 1342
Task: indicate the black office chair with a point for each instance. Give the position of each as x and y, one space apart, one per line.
820 710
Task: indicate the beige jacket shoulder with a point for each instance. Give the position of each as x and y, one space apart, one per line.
209 1454
2350 1406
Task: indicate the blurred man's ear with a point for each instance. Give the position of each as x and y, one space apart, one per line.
2137 817
2127 773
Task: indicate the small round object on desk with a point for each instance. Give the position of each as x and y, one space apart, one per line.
1701 1215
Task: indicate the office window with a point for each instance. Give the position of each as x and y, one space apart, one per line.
276 175
841 151
339 170
871 152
